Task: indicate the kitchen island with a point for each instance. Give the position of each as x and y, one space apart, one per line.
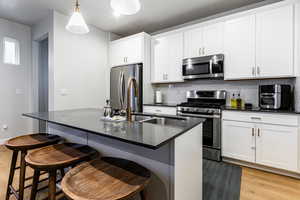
169 146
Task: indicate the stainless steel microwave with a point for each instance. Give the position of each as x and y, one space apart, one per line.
207 67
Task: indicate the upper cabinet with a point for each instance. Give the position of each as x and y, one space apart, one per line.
275 42
203 41
261 45
128 50
239 48
166 58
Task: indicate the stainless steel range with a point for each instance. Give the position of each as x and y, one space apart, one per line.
206 104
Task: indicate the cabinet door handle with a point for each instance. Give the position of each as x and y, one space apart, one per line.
258 70
255 118
157 110
258 132
253 134
203 51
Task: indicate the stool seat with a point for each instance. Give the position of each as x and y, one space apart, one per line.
32 141
56 157
59 156
105 179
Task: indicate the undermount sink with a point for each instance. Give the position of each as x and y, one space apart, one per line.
140 118
158 120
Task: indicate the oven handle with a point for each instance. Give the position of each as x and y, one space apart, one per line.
196 115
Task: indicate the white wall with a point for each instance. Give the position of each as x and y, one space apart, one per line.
12 78
80 67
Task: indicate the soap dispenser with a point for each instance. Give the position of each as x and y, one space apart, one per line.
108 110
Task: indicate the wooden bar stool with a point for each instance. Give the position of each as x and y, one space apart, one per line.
56 157
23 144
106 179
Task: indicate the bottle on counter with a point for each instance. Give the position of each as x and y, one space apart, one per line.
239 101
233 101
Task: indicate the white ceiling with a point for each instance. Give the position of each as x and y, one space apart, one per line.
154 15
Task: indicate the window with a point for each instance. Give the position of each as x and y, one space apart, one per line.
11 51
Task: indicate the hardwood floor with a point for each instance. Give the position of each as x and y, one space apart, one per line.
260 185
256 184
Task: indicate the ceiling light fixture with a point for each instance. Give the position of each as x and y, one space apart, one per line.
77 23
126 7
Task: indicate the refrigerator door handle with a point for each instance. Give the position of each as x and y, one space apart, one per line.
123 89
119 90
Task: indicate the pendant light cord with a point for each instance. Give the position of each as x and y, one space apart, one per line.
77 6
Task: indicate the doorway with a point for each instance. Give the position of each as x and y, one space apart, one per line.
43 84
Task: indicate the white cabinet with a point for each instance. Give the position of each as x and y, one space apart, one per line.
193 43
213 39
260 45
203 41
275 42
128 50
238 140
167 55
263 139
239 48
277 146
160 110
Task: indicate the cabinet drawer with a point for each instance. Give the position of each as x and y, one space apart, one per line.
160 110
279 119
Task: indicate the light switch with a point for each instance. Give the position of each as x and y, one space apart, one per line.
19 91
63 92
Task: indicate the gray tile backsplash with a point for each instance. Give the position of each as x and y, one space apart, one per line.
175 93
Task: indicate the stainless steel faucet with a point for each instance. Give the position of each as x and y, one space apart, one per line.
131 82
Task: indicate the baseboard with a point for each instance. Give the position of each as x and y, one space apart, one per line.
263 168
2 141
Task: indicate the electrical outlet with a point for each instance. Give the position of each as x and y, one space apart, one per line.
4 127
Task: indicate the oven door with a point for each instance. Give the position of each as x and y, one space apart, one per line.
211 129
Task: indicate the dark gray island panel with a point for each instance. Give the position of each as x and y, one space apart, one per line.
172 150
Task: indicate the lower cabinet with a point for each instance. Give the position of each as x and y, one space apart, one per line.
265 144
277 146
238 141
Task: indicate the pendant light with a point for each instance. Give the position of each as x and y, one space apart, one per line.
125 7
77 23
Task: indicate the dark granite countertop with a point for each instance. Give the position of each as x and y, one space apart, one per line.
257 109
161 104
147 135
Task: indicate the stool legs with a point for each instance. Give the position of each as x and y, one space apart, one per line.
36 177
11 173
52 185
22 175
144 195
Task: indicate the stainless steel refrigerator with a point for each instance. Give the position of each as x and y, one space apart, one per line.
119 80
